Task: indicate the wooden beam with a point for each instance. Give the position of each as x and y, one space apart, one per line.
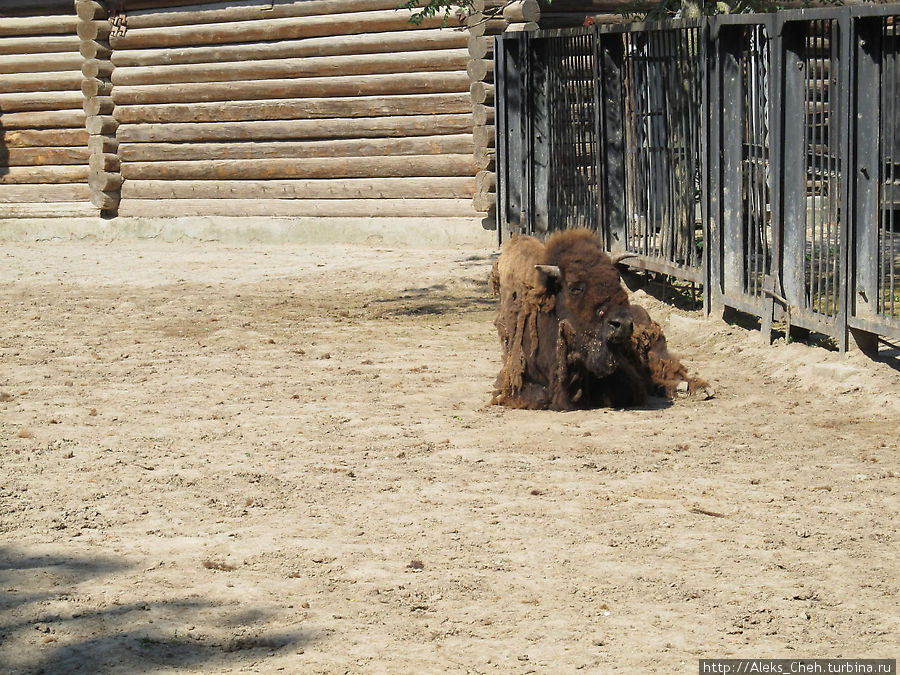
32 101
172 208
444 187
95 49
458 144
271 29
326 66
39 63
46 156
19 7
48 210
360 127
338 45
38 25
44 174
61 192
57 81
482 92
283 109
44 138
324 167
40 45
360 85
251 10
88 10
42 120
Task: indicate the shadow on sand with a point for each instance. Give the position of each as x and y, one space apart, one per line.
50 622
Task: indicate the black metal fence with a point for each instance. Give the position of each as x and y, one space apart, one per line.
756 154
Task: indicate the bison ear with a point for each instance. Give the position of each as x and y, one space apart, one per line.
551 271
550 277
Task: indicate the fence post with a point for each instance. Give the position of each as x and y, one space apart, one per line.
611 56
863 292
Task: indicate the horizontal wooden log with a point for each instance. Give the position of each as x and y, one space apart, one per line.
361 85
370 208
482 92
444 187
95 86
483 136
271 29
250 10
42 44
101 144
93 30
484 201
104 162
101 124
458 144
46 156
98 105
88 10
61 81
325 167
45 138
482 114
63 192
531 25
485 181
479 25
585 7
106 201
358 127
521 11
484 158
95 49
339 45
38 25
326 66
48 210
44 174
285 109
32 101
480 47
104 181
39 63
19 8
136 5
494 5
97 68
480 70
42 120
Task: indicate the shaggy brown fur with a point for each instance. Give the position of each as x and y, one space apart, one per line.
568 334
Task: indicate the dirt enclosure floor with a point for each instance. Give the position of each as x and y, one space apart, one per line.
280 459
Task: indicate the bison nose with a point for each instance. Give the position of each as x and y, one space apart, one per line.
620 329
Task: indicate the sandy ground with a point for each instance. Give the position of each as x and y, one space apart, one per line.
280 459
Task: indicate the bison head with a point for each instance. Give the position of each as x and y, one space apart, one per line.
589 300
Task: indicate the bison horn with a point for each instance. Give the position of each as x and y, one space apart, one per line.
619 257
549 270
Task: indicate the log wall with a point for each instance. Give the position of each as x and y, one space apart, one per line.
312 108
44 156
251 107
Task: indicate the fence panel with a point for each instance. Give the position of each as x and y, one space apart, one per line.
656 72
875 293
757 154
740 174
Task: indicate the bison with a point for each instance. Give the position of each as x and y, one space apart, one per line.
569 335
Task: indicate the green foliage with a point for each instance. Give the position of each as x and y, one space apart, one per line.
458 8
691 9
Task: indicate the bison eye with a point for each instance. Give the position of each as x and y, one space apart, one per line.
576 290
